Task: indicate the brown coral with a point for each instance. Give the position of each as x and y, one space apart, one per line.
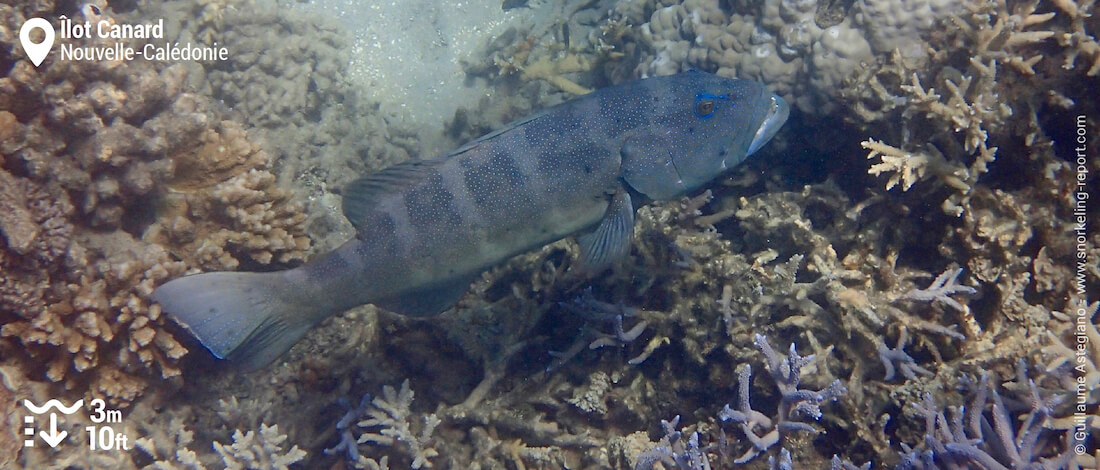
223 206
79 304
82 163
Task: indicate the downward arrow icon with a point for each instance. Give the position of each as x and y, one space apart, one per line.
53 438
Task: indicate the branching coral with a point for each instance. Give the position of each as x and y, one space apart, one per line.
841 275
388 419
1078 41
906 363
989 439
910 167
257 451
169 448
1073 343
967 109
537 55
554 72
795 404
226 207
596 311
80 303
970 106
673 452
941 290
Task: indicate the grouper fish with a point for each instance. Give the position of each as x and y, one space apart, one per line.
426 228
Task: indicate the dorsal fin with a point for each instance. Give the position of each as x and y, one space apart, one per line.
362 194
507 127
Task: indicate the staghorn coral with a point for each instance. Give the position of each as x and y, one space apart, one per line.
553 71
1064 347
906 363
262 450
795 404
970 106
673 452
989 439
175 455
1078 41
595 311
941 289
389 414
535 51
909 167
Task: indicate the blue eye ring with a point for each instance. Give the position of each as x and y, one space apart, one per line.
706 104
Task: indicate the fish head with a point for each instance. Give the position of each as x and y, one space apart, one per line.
703 125
725 121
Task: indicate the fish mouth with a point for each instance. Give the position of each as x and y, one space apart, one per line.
778 111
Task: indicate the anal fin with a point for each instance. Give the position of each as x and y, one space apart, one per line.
610 241
427 301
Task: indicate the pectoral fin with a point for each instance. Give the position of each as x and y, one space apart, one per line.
610 241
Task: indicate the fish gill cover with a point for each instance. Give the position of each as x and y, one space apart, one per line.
918 235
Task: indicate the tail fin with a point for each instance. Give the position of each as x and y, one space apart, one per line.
248 318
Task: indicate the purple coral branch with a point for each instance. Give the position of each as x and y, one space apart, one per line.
348 443
674 452
941 289
794 404
977 438
908 365
592 310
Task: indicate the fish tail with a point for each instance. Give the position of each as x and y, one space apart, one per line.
249 319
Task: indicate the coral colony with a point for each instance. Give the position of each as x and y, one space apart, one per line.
909 269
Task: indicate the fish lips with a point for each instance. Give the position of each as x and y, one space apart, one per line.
778 112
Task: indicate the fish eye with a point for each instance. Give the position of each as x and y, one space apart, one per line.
705 105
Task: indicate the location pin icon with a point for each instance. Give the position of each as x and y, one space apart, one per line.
36 52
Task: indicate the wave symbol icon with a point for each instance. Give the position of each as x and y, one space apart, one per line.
53 403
